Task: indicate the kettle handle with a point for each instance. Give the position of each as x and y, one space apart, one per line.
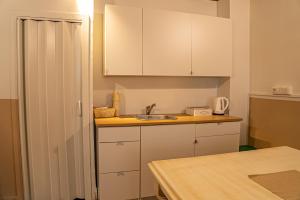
225 102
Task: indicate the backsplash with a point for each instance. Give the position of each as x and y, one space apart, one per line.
134 101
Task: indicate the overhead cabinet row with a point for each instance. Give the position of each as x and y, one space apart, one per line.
154 42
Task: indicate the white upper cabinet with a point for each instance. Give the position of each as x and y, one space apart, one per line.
211 46
166 43
154 42
123 40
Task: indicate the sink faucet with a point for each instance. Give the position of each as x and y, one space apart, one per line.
149 109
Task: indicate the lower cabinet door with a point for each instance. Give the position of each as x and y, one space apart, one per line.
119 156
160 143
119 186
217 144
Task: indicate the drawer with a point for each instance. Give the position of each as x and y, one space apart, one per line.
116 134
211 129
119 156
119 186
217 144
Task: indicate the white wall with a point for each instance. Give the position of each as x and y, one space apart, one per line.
9 10
275 45
237 87
240 80
206 7
171 94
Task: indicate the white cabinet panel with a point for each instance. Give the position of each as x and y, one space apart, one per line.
217 144
119 186
119 156
118 134
211 46
163 142
166 43
123 40
211 129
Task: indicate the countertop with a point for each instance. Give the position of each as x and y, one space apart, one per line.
181 119
223 176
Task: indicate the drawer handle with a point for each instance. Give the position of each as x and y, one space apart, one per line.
120 143
120 174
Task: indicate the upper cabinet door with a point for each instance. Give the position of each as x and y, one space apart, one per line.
123 40
166 43
211 46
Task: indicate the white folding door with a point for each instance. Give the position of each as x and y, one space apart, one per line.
53 118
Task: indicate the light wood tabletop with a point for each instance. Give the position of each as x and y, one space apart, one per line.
223 176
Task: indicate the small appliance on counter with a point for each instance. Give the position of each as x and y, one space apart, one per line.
198 111
221 104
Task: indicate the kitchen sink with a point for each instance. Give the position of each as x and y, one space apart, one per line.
156 117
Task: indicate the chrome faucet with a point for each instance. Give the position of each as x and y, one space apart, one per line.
149 109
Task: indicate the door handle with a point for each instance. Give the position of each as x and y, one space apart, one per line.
79 108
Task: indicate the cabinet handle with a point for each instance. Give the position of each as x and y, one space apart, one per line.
196 142
120 143
120 174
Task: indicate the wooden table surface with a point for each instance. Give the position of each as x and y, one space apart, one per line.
223 176
181 119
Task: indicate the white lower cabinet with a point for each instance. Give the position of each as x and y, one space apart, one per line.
217 144
124 153
163 142
119 186
119 156
215 138
118 152
213 129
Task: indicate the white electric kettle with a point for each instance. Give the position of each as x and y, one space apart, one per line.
221 104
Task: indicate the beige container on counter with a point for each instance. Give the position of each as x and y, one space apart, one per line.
116 103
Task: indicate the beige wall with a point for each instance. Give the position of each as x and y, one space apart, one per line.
274 123
10 162
275 44
275 47
171 94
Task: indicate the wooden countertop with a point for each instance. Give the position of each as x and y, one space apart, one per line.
181 119
223 176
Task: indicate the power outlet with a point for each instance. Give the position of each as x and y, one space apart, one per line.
282 90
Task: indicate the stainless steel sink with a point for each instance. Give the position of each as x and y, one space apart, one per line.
156 117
